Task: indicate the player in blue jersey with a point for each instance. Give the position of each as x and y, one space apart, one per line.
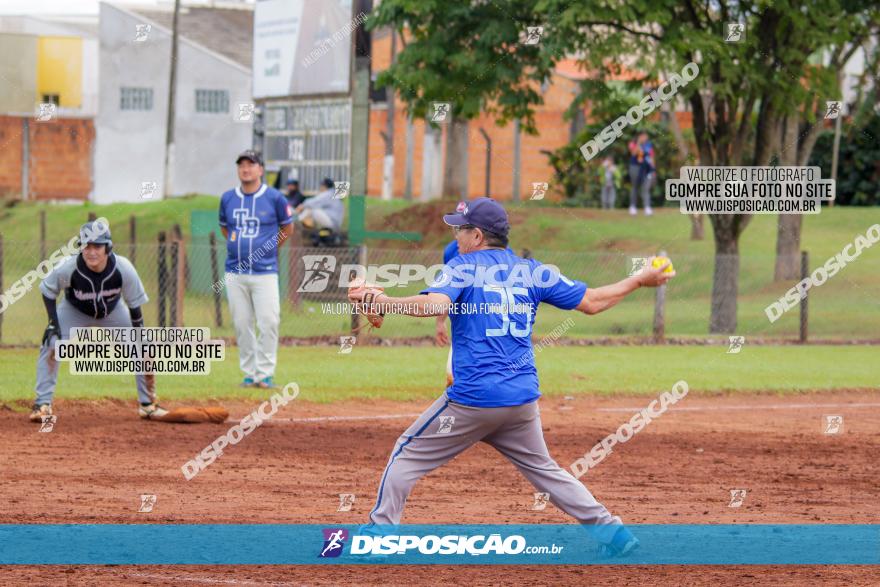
491 296
254 219
441 336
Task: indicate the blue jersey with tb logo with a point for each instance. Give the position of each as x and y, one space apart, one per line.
495 296
252 222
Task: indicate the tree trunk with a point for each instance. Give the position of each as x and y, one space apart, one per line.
455 172
725 282
697 232
788 232
726 228
767 134
788 247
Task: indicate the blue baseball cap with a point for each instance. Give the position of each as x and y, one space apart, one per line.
483 213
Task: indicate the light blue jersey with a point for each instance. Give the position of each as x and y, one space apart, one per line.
495 296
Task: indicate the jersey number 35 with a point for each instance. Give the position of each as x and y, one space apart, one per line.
508 301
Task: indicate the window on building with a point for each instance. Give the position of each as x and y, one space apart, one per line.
136 98
214 101
377 95
51 99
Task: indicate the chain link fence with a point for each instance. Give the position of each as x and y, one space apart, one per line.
185 283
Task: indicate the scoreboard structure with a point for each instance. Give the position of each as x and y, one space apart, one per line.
306 88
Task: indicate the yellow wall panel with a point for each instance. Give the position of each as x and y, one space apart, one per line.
59 69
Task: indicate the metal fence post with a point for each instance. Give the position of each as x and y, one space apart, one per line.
173 275
42 234
295 268
805 274
660 311
178 236
132 239
355 316
182 280
163 279
215 286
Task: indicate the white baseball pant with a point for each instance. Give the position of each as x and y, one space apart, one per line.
254 298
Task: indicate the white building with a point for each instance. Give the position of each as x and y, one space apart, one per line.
213 79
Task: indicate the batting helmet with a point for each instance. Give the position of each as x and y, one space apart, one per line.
95 232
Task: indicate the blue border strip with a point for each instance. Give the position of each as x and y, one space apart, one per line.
280 544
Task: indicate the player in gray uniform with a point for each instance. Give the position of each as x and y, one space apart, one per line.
494 395
100 289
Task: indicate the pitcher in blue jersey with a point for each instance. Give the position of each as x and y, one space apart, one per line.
491 296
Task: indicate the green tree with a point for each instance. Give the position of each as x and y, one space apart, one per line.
749 103
471 55
858 172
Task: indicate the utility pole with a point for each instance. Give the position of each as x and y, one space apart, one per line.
516 160
360 103
835 152
172 91
407 189
388 162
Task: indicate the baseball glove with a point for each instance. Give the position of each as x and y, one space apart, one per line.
191 415
364 295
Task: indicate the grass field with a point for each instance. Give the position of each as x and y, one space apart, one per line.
586 244
401 373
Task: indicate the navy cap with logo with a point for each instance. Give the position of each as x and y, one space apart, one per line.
250 155
483 213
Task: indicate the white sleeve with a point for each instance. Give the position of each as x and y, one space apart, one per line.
132 288
59 278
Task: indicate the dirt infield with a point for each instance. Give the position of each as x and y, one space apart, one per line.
100 458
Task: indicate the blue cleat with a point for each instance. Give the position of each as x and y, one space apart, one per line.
621 545
267 383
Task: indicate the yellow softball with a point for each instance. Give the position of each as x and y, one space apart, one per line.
660 262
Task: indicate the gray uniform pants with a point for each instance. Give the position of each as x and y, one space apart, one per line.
446 429
69 317
609 195
643 186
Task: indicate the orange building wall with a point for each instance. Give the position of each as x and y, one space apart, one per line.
10 156
60 158
553 133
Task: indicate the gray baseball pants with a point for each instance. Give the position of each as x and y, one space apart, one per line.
609 195
447 429
69 317
644 187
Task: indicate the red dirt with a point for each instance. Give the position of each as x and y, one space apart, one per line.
100 458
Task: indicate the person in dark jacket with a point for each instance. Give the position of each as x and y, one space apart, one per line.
293 195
